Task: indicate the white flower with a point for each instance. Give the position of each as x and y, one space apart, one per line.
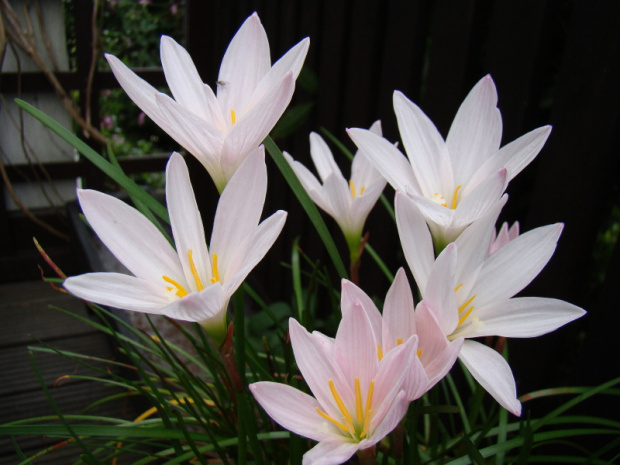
193 283
471 292
456 181
220 131
348 202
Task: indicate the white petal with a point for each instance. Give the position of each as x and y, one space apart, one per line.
478 202
119 291
140 91
425 147
250 252
524 317
439 292
200 307
415 238
363 173
476 131
386 158
391 419
323 158
291 409
311 184
239 208
516 264
131 237
332 452
520 152
186 223
185 82
292 62
493 373
338 194
246 61
252 127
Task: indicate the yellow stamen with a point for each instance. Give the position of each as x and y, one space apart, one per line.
464 306
362 190
359 413
214 270
455 197
192 267
458 287
439 199
352 186
464 317
379 352
343 408
181 291
419 353
233 116
368 414
399 341
331 420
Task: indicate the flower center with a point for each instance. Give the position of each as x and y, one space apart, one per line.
441 200
464 311
181 291
356 427
352 186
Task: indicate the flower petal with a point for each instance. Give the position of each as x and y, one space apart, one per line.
131 237
351 296
493 373
292 62
291 408
332 452
200 307
398 316
391 419
186 223
439 292
524 317
239 208
476 131
323 158
310 183
185 83
516 264
386 158
415 238
253 126
246 61
425 147
479 201
120 291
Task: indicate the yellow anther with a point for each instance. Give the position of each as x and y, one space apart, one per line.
181 291
455 197
331 420
233 116
359 412
439 199
352 186
458 287
419 353
214 271
362 190
464 306
379 352
399 341
192 267
368 413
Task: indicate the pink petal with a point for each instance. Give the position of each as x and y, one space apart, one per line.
398 318
332 452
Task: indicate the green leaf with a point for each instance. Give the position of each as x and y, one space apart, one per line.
113 172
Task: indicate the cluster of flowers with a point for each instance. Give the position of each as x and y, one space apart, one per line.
449 194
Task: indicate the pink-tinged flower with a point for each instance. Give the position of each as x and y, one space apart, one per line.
399 322
358 398
457 180
471 292
504 236
220 131
193 282
348 202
